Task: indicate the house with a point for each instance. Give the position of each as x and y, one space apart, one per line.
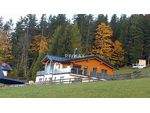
4 69
57 68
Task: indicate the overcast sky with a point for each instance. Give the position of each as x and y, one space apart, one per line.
16 8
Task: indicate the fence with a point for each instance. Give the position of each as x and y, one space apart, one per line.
92 79
83 79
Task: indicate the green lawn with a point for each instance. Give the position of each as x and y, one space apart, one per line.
138 88
145 71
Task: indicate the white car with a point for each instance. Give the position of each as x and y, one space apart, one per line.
138 66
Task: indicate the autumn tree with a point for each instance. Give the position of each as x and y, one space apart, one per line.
38 44
39 47
117 57
5 48
103 44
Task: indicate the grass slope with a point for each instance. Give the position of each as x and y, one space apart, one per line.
134 88
145 71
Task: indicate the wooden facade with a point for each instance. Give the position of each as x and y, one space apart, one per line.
94 64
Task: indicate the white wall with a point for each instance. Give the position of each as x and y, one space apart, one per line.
55 77
5 73
142 62
56 68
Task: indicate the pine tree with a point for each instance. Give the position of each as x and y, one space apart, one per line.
114 26
146 47
125 38
85 24
137 36
56 44
75 39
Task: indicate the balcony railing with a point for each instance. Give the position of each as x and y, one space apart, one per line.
41 73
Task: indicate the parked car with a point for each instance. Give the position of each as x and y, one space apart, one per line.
138 66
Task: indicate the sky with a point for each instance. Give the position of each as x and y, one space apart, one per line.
16 8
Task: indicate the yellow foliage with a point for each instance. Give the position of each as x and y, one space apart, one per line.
5 48
43 45
103 43
39 44
105 48
118 53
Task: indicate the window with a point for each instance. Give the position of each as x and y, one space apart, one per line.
104 72
50 79
85 71
95 72
64 66
40 79
62 77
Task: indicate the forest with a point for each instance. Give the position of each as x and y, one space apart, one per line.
122 40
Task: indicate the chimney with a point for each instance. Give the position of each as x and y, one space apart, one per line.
75 52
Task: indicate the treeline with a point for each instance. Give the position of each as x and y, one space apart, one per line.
25 45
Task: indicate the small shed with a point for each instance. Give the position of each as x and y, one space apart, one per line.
142 62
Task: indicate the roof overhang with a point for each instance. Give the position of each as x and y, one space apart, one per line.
9 81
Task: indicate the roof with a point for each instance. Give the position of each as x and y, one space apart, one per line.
93 56
63 59
6 67
6 80
54 58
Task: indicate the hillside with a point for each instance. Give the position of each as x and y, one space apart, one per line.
145 71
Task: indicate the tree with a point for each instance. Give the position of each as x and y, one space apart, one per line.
124 37
5 48
36 67
101 19
146 36
38 48
85 24
137 36
76 38
103 44
43 25
114 26
117 57
1 23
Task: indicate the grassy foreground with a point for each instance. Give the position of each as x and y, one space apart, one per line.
135 88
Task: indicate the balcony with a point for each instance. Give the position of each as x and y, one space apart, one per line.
41 73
